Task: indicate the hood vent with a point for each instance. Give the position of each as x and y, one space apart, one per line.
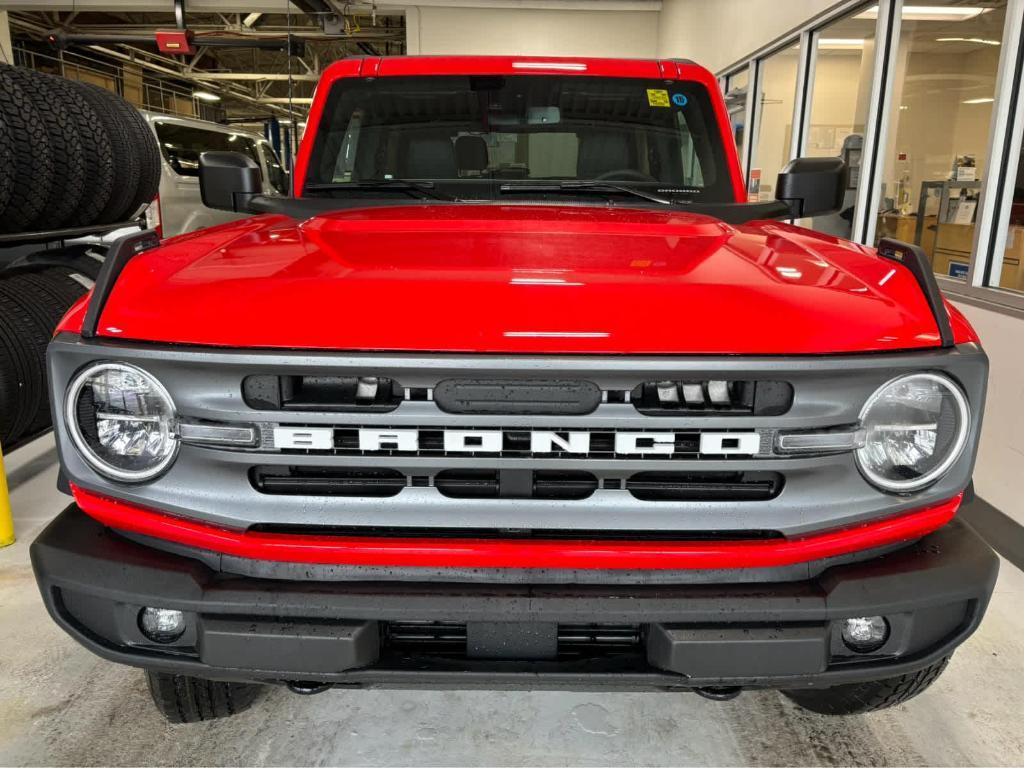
712 397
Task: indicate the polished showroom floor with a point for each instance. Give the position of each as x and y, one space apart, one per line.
61 705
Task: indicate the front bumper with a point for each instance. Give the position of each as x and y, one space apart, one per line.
399 633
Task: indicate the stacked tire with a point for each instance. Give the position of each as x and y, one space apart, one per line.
31 305
72 155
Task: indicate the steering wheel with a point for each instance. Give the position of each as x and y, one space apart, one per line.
625 174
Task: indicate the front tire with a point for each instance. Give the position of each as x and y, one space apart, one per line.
859 698
183 699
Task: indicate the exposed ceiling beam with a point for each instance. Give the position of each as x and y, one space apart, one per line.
257 76
163 6
299 101
173 71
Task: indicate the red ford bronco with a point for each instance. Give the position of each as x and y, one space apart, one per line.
517 390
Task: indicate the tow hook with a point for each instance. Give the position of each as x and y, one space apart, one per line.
306 688
724 693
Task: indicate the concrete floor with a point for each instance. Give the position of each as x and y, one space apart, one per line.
60 705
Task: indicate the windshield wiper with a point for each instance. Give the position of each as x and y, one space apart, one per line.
425 188
599 187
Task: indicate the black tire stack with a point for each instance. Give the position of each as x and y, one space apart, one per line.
71 155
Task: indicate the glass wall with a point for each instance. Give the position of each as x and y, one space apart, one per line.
1011 274
936 156
947 70
774 120
838 112
736 102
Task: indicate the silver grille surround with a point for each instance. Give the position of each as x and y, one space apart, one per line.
821 491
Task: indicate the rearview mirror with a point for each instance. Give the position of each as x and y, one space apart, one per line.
228 180
812 186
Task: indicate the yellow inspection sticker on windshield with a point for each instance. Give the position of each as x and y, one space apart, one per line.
658 98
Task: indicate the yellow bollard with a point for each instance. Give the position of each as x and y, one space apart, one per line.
6 519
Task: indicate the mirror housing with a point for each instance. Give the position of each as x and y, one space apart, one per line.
228 181
812 186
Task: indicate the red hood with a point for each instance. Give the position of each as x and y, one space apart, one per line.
519 279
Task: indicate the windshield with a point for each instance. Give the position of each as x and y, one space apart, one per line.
479 136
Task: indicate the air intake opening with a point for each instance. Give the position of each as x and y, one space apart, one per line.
713 396
327 481
448 639
515 484
369 394
704 486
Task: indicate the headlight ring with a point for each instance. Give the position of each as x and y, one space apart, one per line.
916 427
126 429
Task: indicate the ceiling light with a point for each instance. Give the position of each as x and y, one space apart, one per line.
841 42
978 40
978 101
206 96
929 13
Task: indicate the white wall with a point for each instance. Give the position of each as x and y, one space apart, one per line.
516 31
997 477
717 33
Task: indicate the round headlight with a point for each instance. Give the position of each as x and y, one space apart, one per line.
915 428
122 421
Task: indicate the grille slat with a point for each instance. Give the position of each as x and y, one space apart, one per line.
566 485
679 486
448 639
322 481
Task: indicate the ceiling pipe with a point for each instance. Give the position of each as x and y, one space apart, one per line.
60 39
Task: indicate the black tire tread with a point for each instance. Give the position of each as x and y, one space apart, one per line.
68 178
15 380
62 286
26 348
116 119
98 155
184 699
149 164
31 171
7 150
45 305
871 696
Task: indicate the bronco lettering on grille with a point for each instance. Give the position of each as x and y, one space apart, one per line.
576 442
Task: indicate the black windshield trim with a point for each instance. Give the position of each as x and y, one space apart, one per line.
302 208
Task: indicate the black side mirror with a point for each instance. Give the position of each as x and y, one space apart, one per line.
812 186
228 180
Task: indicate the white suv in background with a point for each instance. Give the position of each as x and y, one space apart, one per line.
179 207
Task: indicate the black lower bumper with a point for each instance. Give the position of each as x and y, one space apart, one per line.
781 635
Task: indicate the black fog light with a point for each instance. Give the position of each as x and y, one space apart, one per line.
865 634
162 625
